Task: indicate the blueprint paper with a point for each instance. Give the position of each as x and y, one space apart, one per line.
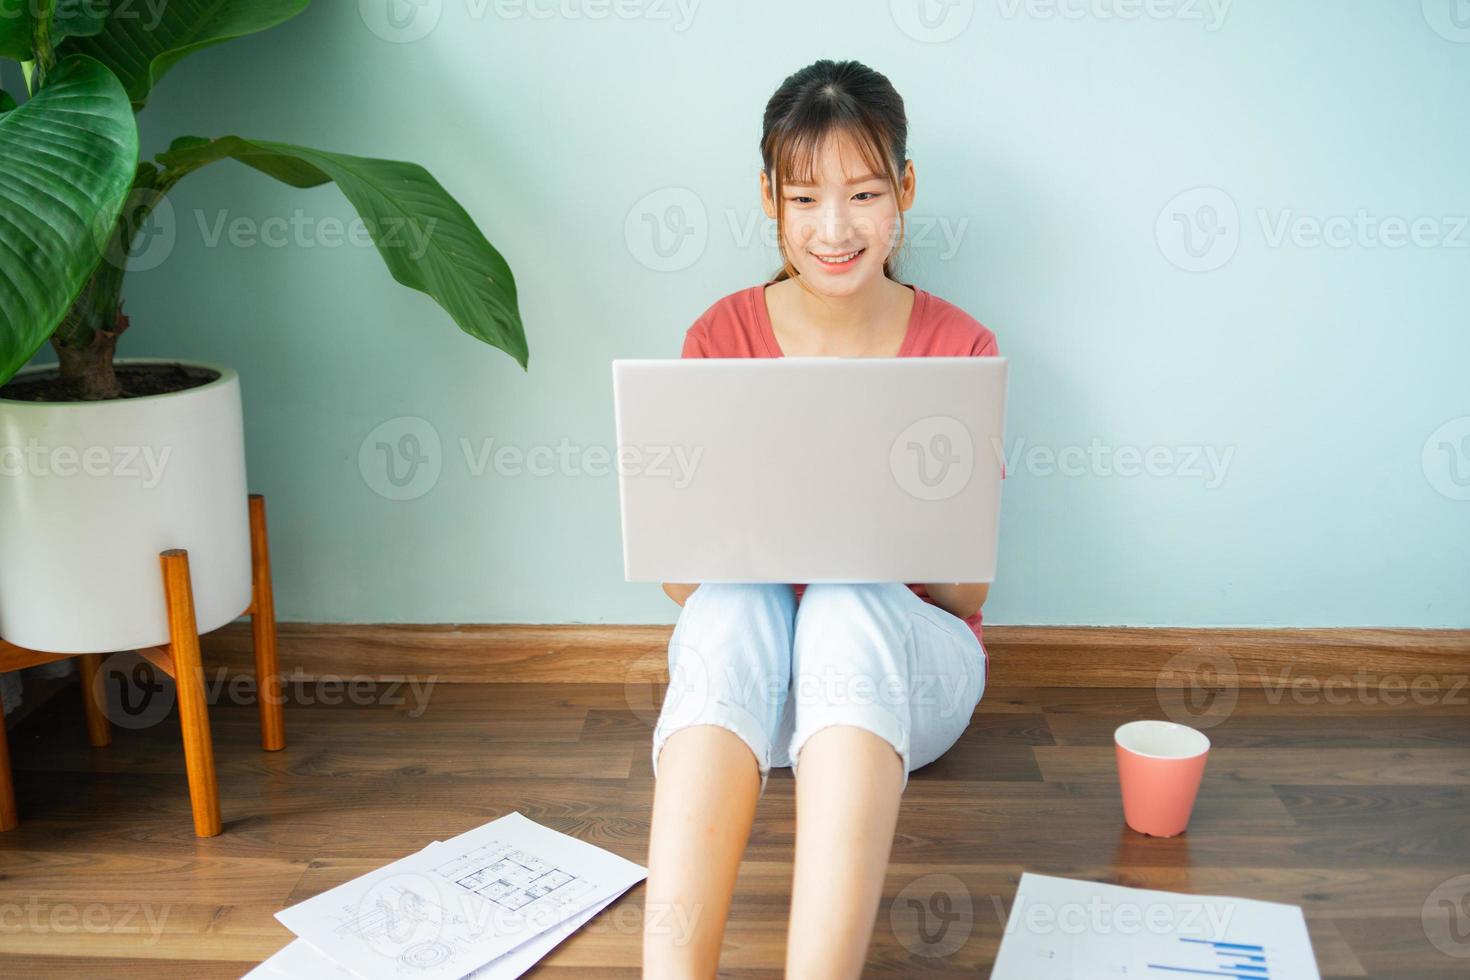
1064 929
299 960
460 904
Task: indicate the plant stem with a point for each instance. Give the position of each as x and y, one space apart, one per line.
86 339
45 55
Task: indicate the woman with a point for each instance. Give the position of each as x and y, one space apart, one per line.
850 685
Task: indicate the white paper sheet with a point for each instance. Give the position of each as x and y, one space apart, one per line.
458 905
299 960
1063 929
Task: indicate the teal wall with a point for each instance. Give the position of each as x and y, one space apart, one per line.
1058 148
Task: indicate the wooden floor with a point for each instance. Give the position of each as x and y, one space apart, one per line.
1356 812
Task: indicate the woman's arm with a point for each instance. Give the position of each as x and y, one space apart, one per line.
679 591
963 599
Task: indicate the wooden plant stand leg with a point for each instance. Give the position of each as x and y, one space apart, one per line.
9 816
263 633
14 657
99 729
188 674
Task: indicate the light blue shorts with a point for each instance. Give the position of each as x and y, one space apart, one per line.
749 658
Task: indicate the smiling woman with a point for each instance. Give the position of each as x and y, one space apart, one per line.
836 180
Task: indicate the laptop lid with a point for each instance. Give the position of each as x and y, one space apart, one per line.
810 469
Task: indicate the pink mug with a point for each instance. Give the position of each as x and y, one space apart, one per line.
1160 764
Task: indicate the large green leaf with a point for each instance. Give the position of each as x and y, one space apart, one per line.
141 41
427 239
67 158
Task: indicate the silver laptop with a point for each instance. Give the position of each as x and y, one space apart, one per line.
810 469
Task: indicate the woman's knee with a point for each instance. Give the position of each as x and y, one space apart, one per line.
850 601
743 599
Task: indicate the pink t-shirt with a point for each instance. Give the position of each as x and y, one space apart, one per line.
739 325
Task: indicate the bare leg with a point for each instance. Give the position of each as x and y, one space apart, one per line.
847 798
703 805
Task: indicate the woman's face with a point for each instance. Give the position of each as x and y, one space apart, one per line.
840 231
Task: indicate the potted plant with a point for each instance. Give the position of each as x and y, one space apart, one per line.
106 462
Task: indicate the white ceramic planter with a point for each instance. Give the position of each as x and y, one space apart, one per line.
91 492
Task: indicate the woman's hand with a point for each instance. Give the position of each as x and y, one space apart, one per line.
679 591
963 599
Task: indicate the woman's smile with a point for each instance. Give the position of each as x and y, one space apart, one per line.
838 261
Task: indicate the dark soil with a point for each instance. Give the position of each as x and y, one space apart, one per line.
137 380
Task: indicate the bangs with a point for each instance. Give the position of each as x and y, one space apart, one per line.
796 155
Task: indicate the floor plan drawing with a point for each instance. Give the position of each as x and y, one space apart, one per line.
458 905
510 877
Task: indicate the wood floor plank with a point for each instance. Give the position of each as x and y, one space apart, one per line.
1356 813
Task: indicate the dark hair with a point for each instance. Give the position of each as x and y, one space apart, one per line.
826 98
